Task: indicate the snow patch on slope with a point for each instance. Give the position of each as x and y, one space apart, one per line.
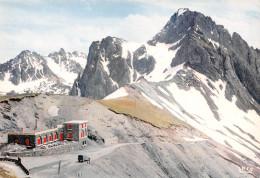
163 57
171 71
53 111
60 71
82 61
215 44
195 139
236 129
121 92
227 130
7 85
181 11
129 47
192 101
105 67
163 90
151 101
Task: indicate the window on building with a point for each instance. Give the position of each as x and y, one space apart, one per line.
70 135
69 126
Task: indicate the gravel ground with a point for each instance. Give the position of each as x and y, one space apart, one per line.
132 148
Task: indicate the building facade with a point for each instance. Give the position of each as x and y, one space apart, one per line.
75 130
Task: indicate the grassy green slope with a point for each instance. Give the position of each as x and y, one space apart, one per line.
144 111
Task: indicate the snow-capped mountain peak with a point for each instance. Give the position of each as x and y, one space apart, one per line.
181 11
194 69
31 72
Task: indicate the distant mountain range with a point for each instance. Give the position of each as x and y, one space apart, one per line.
31 72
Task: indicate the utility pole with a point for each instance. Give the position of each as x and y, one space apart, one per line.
59 167
36 120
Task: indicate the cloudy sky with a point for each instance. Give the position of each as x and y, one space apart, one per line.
47 25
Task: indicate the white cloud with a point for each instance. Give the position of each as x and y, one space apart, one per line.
69 37
139 28
251 5
55 31
240 18
74 34
247 28
235 15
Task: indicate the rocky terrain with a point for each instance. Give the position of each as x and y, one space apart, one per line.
132 147
190 39
184 104
32 72
192 68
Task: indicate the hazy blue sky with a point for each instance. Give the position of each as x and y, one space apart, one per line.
47 25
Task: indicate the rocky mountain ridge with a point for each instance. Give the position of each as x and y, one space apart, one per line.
194 69
31 72
189 38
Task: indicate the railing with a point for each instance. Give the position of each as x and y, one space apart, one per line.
18 163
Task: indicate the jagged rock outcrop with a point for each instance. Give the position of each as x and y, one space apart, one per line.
31 72
26 66
209 49
143 63
64 59
106 69
199 43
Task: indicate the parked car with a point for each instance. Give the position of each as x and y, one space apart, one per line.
84 158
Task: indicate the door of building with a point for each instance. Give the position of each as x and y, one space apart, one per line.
27 142
61 137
